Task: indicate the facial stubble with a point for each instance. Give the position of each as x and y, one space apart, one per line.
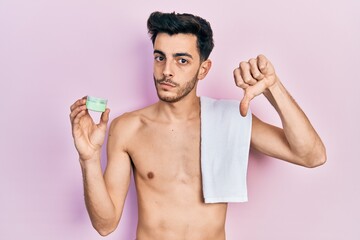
181 92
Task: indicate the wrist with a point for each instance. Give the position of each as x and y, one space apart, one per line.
88 161
275 86
275 93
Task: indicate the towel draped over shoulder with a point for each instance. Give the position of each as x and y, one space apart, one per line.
225 144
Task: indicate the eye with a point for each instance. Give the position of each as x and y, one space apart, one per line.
159 58
183 61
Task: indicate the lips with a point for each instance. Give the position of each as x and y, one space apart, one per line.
167 84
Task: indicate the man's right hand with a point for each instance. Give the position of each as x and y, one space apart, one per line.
88 136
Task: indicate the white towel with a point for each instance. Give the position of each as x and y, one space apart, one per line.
225 144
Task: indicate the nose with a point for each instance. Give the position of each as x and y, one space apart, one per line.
168 70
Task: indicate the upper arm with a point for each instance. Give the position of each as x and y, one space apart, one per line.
271 140
118 170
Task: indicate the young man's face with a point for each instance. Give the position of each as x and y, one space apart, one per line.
176 66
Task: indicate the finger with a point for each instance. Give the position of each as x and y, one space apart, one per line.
246 74
79 116
79 102
262 63
76 111
254 69
75 104
238 79
244 104
104 119
256 90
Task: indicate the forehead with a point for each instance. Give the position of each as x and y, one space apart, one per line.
176 43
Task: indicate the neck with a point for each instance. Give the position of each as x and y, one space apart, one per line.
186 109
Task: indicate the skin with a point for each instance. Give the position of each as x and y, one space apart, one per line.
162 144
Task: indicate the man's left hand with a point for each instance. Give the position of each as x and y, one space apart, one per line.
254 77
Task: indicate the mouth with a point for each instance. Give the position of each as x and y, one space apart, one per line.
167 84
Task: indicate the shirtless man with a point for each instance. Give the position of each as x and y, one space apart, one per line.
162 141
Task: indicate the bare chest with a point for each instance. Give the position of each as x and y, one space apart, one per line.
167 152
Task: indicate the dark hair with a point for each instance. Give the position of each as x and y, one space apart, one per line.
174 23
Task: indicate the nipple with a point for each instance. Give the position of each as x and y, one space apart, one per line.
150 175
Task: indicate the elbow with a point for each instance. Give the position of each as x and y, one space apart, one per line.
316 159
104 233
105 229
105 224
315 162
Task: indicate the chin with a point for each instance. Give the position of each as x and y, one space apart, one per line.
170 98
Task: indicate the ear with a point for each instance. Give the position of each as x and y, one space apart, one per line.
204 69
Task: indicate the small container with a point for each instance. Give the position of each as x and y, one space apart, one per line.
96 104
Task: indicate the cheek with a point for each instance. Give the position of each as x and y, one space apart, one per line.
157 69
193 73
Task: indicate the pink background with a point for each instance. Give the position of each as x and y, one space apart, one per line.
53 52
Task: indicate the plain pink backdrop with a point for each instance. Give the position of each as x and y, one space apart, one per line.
53 52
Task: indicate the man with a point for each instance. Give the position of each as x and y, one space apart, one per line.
162 141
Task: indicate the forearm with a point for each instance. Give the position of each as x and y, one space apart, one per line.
302 138
97 199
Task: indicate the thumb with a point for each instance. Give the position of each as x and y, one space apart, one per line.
244 104
104 118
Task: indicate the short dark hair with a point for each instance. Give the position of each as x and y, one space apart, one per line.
174 23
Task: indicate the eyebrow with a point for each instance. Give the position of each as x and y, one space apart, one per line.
159 52
175 54
182 54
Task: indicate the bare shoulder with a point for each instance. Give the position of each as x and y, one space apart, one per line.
128 124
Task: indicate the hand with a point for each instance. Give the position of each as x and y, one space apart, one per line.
88 136
254 77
